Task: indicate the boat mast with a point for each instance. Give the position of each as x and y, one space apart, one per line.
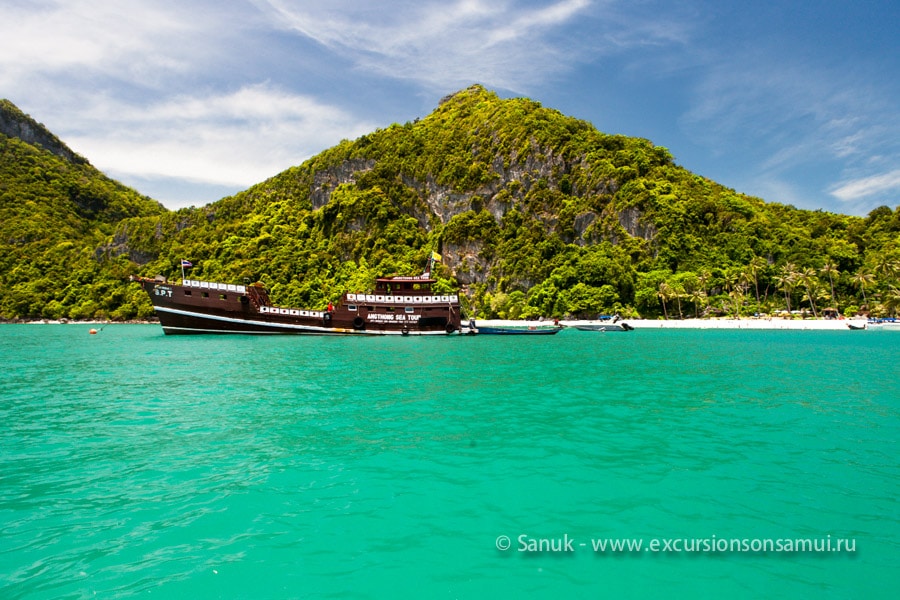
432 258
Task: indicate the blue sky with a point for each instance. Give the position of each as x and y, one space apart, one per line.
192 100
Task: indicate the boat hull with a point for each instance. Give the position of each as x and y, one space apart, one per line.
482 330
603 327
219 309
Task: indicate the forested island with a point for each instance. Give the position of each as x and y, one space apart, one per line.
534 214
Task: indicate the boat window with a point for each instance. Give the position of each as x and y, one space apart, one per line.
389 308
351 307
204 294
410 309
187 292
223 297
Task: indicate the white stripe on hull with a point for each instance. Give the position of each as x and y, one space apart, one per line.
312 329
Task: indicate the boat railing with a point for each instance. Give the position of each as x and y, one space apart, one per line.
224 287
294 312
401 299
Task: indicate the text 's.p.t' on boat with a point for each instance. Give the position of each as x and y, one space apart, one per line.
398 306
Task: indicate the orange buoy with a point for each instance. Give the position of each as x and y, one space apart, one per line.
93 332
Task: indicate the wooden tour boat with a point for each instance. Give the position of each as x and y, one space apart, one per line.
398 306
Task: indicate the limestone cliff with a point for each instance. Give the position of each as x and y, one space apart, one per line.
16 124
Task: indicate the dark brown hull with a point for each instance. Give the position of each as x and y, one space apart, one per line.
215 308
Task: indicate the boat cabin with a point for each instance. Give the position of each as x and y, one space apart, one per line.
405 286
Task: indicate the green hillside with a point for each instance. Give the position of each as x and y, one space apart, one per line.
55 211
534 213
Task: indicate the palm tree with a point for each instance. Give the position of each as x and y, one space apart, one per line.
887 266
737 295
757 263
786 280
808 279
665 293
815 291
829 269
862 278
678 291
704 277
694 293
736 285
745 276
698 297
891 300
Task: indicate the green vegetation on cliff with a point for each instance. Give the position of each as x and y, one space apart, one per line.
54 214
535 213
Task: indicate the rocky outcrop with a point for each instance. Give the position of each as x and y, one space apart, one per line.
511 182
16 124
631 220
467 261
140 239
327 180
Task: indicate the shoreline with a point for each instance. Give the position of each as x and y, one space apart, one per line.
72 322
760 324
767 324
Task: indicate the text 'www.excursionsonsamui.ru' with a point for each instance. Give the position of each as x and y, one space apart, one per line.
708 545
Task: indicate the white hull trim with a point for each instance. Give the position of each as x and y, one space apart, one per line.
279 326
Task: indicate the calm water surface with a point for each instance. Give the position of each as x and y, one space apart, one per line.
134 464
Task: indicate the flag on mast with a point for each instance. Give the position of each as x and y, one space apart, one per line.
185 264
432 258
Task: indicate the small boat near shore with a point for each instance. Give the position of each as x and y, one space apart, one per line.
889 324
527 329
603 325
398 306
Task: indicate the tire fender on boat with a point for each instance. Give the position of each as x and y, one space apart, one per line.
405 330
359 323
450 328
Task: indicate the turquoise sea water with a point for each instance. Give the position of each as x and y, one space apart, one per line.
134 464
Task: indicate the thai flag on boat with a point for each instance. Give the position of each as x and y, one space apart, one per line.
186 263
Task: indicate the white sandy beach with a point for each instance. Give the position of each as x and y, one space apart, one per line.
795 324
792 324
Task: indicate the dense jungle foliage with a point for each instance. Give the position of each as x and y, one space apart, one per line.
534 213
54 214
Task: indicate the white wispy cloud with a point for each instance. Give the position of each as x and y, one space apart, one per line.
752 94
794 119
162 89
856 189
524 24
77 38
172 89
239 138
232 91
447 44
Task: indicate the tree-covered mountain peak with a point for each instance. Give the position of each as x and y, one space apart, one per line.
534 213
16 124
56 210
